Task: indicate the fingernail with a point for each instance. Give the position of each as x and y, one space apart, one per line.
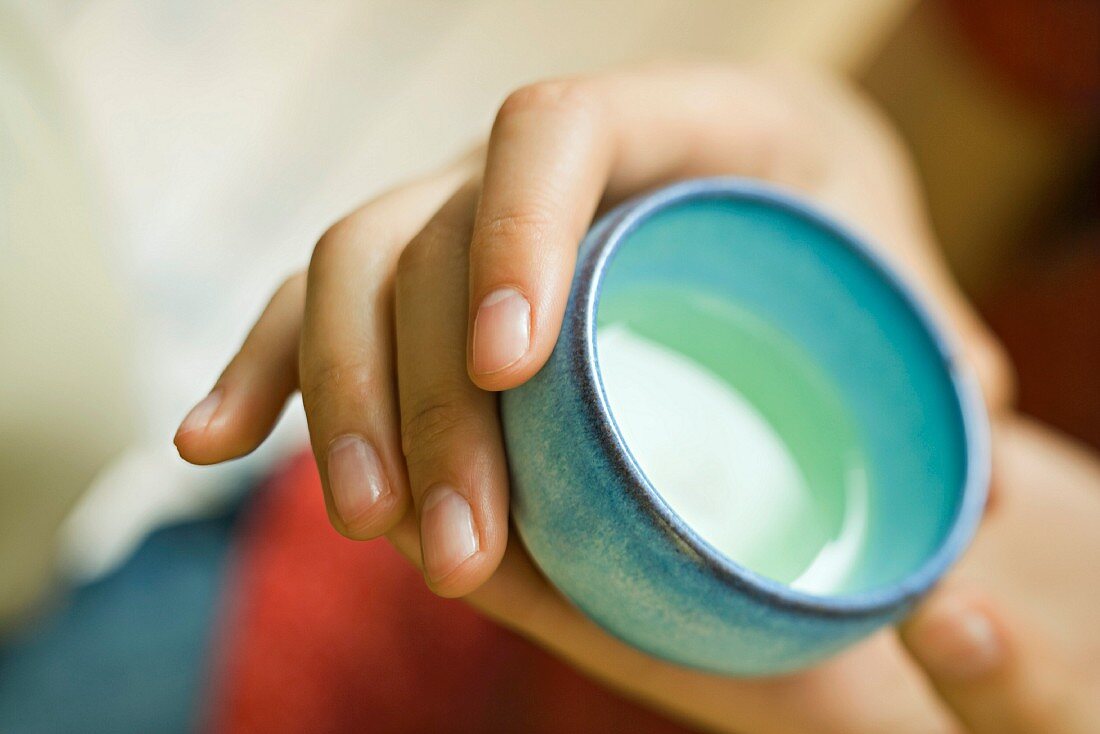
502 330
355 478
199 416
448 531
958 641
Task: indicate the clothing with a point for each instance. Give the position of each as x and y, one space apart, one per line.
322 634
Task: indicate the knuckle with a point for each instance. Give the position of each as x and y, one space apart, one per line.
783 119
433 423
438 240
778 113
409 261
358 235
339 381
336 240
567 96
292 286
510 228
777 120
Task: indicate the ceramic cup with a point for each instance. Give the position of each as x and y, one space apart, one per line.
827 346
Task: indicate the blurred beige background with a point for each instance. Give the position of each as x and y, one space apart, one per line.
163 165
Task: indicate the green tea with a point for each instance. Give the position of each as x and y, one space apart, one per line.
744 437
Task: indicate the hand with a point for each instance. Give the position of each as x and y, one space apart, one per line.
396 360
1011 641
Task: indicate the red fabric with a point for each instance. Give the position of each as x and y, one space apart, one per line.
323 634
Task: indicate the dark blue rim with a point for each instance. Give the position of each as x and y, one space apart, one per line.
597 251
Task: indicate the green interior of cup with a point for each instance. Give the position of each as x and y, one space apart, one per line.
836 461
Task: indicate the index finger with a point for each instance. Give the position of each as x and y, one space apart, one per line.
556 148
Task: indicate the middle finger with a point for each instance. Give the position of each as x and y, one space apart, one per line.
450 432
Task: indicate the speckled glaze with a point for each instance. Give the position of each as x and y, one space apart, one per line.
605 537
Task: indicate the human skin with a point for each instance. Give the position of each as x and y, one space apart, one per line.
420 305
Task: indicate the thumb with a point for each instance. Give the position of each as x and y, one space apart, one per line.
996 675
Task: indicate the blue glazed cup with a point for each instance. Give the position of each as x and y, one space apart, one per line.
604 534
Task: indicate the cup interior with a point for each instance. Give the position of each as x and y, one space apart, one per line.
781 393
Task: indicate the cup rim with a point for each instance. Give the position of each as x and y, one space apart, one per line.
604 241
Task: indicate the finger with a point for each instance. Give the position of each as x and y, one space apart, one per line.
993 673
450 432
545 172
557 148
346 361
242 408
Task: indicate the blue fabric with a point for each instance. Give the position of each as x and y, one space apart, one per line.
127 653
